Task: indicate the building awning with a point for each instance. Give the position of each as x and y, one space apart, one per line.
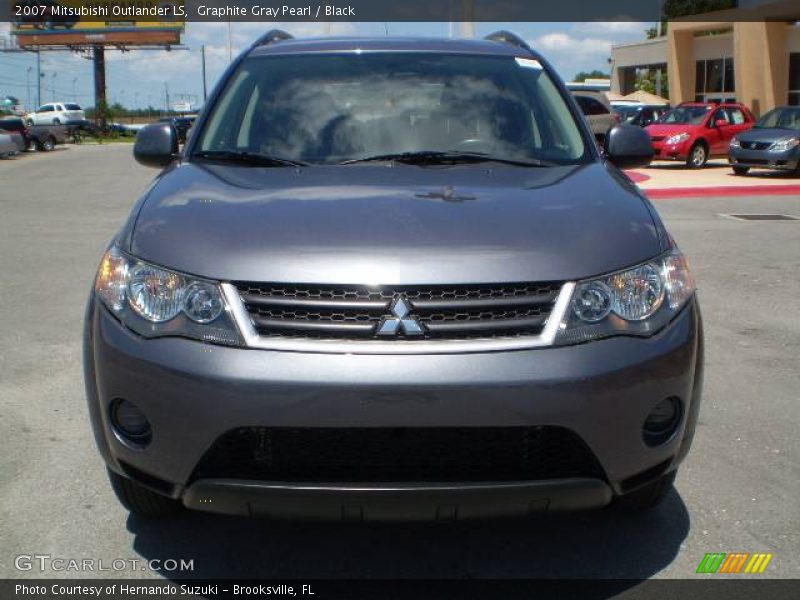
646 98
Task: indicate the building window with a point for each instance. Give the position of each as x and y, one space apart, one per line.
715 80
794 79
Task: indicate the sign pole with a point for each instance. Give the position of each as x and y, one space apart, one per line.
99 55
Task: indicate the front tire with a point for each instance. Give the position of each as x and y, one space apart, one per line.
740 170
698 156
141 501
648 497
56 121
48 144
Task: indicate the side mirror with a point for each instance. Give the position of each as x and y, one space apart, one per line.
628 147
156 145
720 123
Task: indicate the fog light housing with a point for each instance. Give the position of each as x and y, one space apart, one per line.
130 422
662 421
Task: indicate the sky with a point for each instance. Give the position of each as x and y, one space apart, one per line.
137 79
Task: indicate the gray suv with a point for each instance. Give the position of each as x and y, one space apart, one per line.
392 279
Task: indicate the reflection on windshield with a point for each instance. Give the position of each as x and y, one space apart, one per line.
685 115
334 108
783 118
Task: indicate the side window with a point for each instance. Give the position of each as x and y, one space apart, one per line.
735 116
590 106
719 115
59 107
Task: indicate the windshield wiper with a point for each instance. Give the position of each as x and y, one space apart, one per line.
434 157
252 158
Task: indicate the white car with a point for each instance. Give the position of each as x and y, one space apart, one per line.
56 113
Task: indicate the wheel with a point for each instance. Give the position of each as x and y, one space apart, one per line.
698 156
48 143
141 501
647 497
740 170
29 122
56 121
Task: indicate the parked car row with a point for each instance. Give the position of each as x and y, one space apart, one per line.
34 137
693 132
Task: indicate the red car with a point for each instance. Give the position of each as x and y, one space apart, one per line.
694 131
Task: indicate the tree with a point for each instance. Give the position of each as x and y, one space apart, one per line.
646 81
583 76
673 9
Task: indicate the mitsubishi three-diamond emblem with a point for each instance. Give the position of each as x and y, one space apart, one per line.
401 320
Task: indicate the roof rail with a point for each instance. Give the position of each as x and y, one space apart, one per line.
507 37
272 37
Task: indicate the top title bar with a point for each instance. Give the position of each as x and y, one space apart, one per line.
52 12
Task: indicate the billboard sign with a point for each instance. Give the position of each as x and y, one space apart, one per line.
87 22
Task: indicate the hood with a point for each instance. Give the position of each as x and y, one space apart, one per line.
668 129
767 134
402 224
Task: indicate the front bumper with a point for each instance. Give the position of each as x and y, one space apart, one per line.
764 159
662 151
193 393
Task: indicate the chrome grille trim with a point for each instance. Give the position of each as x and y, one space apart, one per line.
252 338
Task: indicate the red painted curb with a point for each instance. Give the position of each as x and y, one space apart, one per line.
743 190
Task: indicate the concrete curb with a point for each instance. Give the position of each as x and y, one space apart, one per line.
743 190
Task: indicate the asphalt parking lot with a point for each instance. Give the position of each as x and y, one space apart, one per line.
737 492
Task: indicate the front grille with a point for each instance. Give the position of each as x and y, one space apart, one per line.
755 145
435 454
354 312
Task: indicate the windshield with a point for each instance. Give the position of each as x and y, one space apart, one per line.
685 115
627 113
328 109
783 118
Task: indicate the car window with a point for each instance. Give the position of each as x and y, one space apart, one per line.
785 118
719 115
590 106
685 115
72 107
339 107
735 116
45 108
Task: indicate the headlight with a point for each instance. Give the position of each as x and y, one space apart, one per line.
157 302
784 145
637 301
678 138
735 143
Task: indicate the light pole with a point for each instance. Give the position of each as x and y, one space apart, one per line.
53 84
28 86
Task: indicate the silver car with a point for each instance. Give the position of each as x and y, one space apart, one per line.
392 279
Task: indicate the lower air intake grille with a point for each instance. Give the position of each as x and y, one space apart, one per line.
435 454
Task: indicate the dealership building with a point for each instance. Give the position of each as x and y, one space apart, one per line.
729 56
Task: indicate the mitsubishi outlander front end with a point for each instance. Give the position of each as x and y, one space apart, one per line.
392 279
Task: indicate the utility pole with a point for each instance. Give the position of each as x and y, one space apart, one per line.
203 60
53 84
230 43
468 19
38 77
74 90
166 98
28 88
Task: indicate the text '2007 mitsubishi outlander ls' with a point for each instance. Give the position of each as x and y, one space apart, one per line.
392 279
